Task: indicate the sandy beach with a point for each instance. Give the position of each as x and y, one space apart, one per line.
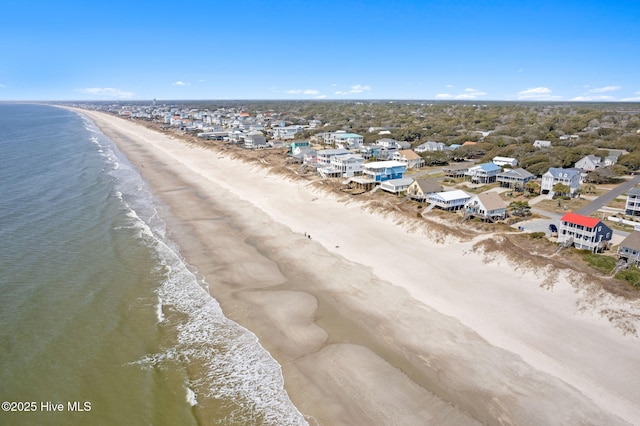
373 321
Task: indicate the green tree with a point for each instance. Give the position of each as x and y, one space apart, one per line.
561 190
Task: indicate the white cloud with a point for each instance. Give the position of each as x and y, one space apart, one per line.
321 97
181 83
593 98
637 99
605 89
467 93
303 92
449 86
106 92
357 88
537 94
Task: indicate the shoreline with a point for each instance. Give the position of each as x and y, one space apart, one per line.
365 304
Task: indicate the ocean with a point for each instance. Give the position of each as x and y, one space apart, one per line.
101 320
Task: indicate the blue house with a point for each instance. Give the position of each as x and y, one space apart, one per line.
484 173
380 171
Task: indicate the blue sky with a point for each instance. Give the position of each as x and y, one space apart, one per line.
324 49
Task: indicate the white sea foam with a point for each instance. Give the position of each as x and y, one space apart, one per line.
233 367
159 312
192 398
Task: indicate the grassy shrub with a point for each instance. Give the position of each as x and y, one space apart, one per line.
600 262
631 275
537 235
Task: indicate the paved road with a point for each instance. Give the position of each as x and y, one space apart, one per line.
609 196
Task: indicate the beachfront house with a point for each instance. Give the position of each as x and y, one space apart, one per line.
487 206
295 146
632 206
629 249
347 165
324 156
410 158
449 200
514 178
569 177
483 173
420 189
380 171
504 161
584 232
255 140
396 186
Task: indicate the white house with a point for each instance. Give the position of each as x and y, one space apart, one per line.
588 163
286 132
632 207
255 140
348 165
430 146
504 161
387 143
487 205
541 144
569 177
348 140
449 200
324 156
410 158
396 186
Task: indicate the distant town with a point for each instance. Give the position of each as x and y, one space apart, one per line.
565 173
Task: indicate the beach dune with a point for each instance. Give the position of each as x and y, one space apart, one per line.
374 323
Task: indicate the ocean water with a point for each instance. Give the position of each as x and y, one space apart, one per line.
101 320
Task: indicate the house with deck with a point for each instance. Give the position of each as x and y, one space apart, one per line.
487 206
286 132
514 178
584 232
449 200
324 156
396 186
347 165
348 140
420 189
380 171
632 206
455 171
555 175
629 249
255 140
483 173
410 158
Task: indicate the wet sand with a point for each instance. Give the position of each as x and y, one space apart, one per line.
373 323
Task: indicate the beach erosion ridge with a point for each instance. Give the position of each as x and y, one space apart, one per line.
372 323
